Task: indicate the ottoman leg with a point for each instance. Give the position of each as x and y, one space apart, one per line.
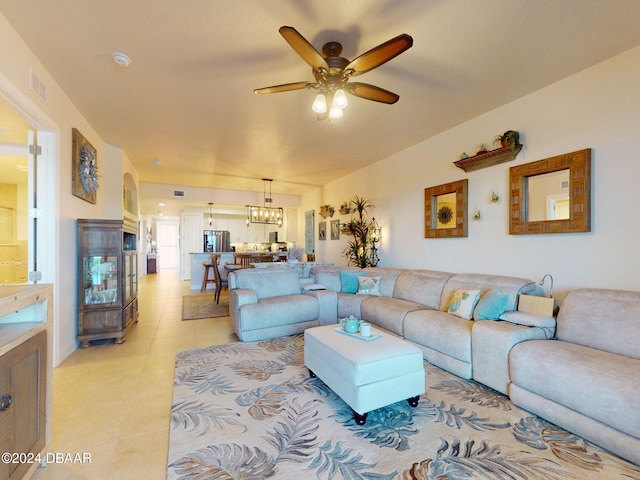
311 374
360 419
413 401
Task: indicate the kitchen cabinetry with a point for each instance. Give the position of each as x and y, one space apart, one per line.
25 378
107 280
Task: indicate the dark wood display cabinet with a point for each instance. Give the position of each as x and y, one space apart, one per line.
107 280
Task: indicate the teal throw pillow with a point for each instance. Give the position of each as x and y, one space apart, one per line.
491 305
350 281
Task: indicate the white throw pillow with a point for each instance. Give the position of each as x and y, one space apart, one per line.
463 302
369 286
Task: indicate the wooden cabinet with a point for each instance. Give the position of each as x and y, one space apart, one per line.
25 378
22 405
107 280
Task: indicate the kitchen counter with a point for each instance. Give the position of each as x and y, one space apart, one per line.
197 269
302 268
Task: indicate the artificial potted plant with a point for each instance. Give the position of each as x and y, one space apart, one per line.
357 250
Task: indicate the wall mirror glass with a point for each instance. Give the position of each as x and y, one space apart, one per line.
552 195
445 210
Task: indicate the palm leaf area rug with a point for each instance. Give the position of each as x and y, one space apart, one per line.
251 411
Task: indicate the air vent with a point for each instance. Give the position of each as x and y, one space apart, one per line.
36 85
564 184
178 193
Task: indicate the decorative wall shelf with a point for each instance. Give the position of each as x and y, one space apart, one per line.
490 158
344 210
326 211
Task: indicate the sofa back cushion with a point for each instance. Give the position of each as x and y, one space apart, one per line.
388 278
511 286
268 282
421 286
607 320
330 276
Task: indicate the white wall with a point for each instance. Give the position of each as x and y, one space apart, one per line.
597 108
58 116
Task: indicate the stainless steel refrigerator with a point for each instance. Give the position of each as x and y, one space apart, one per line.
217 241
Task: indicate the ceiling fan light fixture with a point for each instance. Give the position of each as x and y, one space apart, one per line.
340 99
320 104
335 112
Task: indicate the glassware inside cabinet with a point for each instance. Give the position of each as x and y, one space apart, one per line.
100 278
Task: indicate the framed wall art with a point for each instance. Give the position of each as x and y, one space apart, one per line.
84 166
335 229
322 230
445 210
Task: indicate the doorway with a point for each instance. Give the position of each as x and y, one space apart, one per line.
168 244
16 198
34 231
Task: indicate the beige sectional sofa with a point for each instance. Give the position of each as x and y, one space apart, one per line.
588 380
414 304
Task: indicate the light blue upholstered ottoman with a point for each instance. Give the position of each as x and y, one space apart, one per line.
366 375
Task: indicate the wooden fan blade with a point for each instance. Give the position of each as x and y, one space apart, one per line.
303 48
286 87
371 92
379 55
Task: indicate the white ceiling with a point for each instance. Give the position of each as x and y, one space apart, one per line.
187 98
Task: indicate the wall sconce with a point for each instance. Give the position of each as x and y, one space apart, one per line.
375 235
210 214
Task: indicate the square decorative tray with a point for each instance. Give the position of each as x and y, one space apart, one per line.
358 336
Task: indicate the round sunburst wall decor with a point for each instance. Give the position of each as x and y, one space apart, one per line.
445 214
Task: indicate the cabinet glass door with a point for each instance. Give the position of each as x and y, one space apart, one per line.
134 275
100 279
127 277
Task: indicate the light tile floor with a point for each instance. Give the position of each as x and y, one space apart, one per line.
113 401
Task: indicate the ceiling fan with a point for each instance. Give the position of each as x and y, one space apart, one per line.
332 73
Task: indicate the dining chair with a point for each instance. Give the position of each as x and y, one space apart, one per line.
245 260
220 282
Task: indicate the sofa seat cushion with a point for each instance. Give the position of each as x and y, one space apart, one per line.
275 311
440 331
388 313
595 383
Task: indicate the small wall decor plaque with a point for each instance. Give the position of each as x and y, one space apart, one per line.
84 165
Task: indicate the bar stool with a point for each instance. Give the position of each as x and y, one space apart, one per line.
206 279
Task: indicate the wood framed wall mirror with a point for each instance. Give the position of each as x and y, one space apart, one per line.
445 210
551 195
